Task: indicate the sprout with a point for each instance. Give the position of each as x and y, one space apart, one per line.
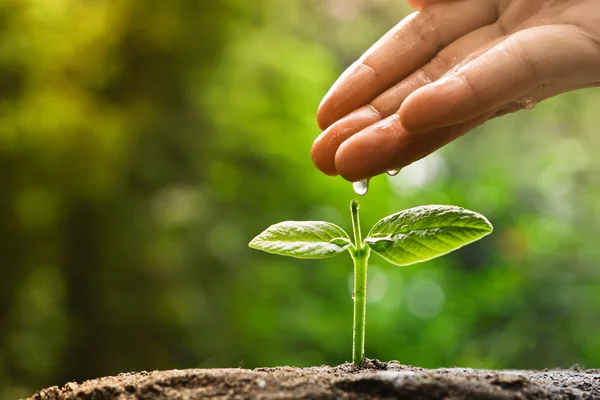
408 237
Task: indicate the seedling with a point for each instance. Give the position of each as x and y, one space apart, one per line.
408 237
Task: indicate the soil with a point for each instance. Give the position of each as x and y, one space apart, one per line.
376 380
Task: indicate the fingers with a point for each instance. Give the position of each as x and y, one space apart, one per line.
324 148
510 70
465 48
459 52
401 51
387 145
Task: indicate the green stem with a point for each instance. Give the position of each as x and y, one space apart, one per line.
360 257
356 224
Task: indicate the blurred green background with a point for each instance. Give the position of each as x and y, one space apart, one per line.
144 143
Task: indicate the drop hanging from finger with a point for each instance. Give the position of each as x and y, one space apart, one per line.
361 187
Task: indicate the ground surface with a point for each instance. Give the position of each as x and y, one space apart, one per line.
377 381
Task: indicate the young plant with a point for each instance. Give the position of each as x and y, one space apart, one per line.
408 237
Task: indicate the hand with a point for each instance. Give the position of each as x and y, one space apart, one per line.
448 68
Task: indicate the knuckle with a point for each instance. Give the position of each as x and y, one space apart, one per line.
427 75
474 94
375 110
515 49
425 27
366 64
435 68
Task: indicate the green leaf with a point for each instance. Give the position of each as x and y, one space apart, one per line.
422 233
303 239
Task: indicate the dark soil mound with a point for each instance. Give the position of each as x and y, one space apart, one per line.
376 380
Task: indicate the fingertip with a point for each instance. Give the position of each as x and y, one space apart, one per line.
321 157
438 104
415 109
327 144
371 152
348 160
325 114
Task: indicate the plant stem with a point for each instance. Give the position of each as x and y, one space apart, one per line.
360 257
356 224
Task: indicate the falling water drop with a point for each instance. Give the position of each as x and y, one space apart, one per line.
393 172
361 187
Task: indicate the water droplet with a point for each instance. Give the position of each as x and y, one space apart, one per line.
361 187
527 103
530 104
353 295
393 172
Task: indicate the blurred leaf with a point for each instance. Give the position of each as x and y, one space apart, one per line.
422 233
303 239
